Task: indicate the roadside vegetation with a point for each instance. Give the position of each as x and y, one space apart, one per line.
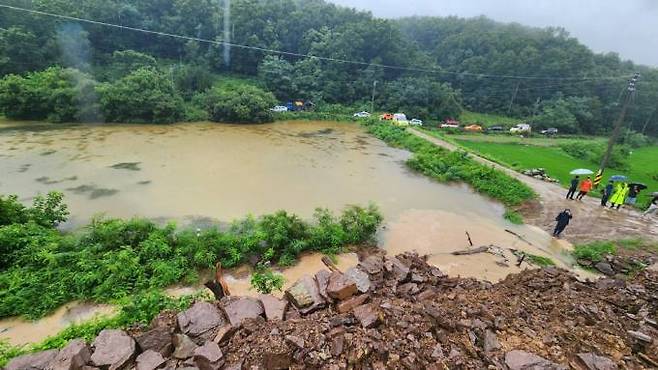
625 257
446 166
111 259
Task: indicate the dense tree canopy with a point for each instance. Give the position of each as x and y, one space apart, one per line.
475 61
239 103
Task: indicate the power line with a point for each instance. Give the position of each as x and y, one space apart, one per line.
294 54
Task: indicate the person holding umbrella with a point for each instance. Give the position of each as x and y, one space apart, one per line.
562 221
576 180
634 192
585 187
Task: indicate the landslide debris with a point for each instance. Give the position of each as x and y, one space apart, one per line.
396 313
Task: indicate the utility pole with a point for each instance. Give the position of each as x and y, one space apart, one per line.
516 90
628 98
372 101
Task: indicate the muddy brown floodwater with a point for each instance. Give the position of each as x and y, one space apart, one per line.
202 173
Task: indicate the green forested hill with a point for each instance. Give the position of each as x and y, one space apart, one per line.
440 63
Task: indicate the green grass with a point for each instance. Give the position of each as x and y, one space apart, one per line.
558 164
486 119
513 217
594 251
540 260
534 140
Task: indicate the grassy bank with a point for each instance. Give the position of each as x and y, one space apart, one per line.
111 259
447 166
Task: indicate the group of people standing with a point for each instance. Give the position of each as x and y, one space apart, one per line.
615 193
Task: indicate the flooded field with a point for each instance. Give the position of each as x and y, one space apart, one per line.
204 173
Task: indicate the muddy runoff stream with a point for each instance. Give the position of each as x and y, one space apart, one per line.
203 173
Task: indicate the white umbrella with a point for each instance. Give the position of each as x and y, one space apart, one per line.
582 171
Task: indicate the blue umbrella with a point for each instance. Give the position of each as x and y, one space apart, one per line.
618 178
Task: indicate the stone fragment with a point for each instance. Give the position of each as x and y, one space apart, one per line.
372 265
604 268
368 315
184 346
337 345
522 360
240 308
224 333
209 356
34 361
149 360
322 279
490 342
398 269
595 362
640 336
426 294
340 287
275 308
408 289
304 294
200 320
158 339
277 360
361 278
74 356
296 341
350 304
437 353
114 349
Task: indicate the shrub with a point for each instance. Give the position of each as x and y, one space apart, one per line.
513 217
239 103
594 152
55 94
265 281
146 95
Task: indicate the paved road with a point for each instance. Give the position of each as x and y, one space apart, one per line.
591 221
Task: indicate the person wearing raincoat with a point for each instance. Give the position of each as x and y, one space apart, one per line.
619 196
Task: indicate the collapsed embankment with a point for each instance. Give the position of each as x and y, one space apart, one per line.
395 312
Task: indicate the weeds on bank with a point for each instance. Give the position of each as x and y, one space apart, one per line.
111 259
594 251
540 260
446 166
513 217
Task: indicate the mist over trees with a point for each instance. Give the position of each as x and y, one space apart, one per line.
445 63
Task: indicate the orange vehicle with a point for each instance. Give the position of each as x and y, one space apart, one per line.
386 117
473 128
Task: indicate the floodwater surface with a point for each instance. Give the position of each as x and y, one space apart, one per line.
203 173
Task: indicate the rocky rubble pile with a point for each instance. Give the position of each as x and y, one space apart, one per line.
394 313
540 174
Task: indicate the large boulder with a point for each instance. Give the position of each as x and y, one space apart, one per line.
149 360
238 309
522 360
208 357
275 308
73 357
372 265
34 361
340 286
200 321
397 269
305 295
361 279
113 349
158 339
350 304
322 279
596 362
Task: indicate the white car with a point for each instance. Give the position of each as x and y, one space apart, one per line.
416 122
449 125
279 109
521 128
362 115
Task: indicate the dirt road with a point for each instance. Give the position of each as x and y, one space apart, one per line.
590 222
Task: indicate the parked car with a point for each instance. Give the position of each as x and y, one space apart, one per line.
362 115
521 128
449 125
495 129
386 117
400 119
473 128
279 109
550 131
416 122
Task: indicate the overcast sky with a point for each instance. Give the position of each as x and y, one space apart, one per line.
628 27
